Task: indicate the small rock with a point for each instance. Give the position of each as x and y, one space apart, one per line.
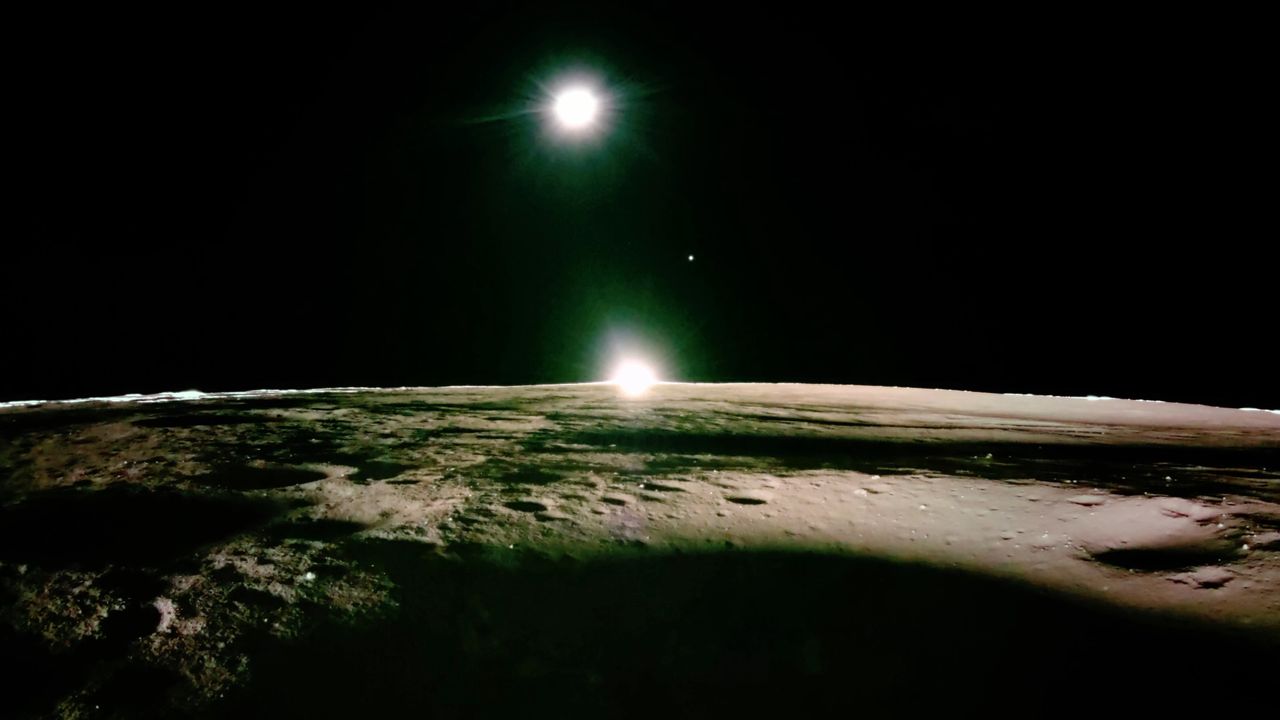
860 492
618 498
880 488
750 497
168 613
552 516
1044 542
1181 507
1205 577
1087 500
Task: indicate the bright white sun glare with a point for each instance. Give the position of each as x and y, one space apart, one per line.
633 377
576 108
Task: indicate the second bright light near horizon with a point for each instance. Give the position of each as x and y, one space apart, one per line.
633 378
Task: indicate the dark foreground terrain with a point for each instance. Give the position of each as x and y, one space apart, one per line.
701 550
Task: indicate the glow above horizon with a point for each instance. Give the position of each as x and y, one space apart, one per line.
633 378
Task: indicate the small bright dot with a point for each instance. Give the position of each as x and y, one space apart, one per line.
690 258
576 108
634 378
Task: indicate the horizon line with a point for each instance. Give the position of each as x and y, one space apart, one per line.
193 394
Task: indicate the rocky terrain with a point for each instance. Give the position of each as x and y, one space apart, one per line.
697 550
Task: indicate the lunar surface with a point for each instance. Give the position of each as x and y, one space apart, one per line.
695 550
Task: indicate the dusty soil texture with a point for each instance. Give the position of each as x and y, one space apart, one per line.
699 551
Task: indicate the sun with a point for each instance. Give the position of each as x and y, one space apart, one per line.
576 108
633 378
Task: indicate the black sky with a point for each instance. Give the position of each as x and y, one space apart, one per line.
230 201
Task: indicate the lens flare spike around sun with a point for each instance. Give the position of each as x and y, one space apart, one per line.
633 378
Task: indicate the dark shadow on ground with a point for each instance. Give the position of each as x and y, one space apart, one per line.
498 632
37 676
1199 471
137 536
123 525
1170 558
294 443
367 470
242 477
54 418
204 419
322 529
